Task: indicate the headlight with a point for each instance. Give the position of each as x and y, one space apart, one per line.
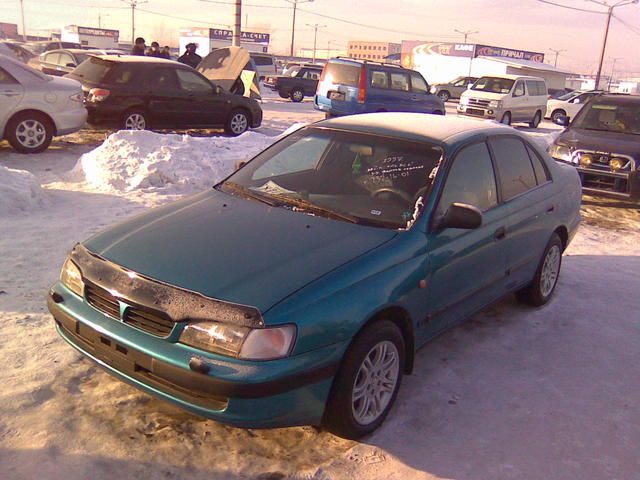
433 89
241 342
617 163
71 278
464 100
495 104
586 160
560 152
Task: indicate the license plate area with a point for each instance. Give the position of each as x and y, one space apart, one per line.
336 96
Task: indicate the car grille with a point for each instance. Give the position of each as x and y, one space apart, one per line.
601 160
476 102
155 323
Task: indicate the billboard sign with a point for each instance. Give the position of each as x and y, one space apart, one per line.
489 51
247 37
9 30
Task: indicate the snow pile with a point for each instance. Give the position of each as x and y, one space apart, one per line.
142 160
19 191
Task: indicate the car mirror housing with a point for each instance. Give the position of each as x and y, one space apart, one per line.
460 215
562 120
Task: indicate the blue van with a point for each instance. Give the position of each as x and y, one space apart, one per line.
348 86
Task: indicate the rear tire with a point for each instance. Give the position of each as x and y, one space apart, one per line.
541 289
506 119
557 114
237 123
536 120
29 132
367 381
297 95
135 120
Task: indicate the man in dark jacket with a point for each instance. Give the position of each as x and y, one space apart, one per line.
139 48
190 57
166 52
154 51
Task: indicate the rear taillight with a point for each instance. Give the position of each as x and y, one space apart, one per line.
362 87
98 95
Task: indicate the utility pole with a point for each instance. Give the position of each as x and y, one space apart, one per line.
557 52
133 4
237 25
612 69
24 29
315 27
293 26
466 33
610 8
100 15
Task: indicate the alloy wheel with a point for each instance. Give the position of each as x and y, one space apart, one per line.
297 96
239 123
135 121
375 382
31 133
550 270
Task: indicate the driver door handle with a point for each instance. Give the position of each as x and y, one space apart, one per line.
500 233
10 94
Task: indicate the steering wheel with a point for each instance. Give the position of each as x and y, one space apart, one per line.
396 192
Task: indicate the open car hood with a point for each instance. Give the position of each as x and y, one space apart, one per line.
224 66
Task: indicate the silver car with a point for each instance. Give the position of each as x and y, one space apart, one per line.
35 107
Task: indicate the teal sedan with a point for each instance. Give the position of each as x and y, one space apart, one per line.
298 290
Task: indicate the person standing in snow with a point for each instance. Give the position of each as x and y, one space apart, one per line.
154 51
166 52
139 48
190 57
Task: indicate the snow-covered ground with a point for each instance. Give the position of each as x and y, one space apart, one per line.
514 393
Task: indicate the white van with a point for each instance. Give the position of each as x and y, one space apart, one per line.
265 64
506 98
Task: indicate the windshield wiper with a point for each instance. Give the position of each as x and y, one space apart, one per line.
237 188
302 204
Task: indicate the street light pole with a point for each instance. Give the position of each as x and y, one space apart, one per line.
133 4
610 8
237 27
315 27
24 29
466 33
293 26
612 69
557 52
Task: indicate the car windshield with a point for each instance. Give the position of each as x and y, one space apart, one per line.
493 85
347 176
610 117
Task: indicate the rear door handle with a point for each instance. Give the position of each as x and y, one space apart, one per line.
551 209
10 94
500 233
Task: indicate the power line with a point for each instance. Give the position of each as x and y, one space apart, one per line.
633 29
570 7
182 18
218 2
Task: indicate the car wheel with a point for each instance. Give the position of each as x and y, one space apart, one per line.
541 289
536 120
30 132
135 120
444 95
297 95
506 119
367 381
238 123
557 114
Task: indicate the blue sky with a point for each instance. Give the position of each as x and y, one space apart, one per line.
523 24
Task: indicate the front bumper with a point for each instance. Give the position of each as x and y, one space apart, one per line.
479 112
70 121
286 392
621 184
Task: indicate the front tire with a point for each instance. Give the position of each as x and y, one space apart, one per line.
536 120
297 95
557 114
30 132
444 95
541 289
506 119
237 123
367 381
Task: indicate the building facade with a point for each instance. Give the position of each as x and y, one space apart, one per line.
90 37
372 50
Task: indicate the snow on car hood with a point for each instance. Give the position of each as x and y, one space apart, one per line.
233 249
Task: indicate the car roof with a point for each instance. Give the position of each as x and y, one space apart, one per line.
134 59
513 77
618 98
364 61
415 126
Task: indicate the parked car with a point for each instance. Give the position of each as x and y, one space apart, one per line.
265 64
35 107
603 143
63 61
569 104
506 98
349 86
377 233
559 92
40 47
452 89
301 82
15 51
138 93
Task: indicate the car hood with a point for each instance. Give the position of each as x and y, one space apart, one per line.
602 141
484 95
233 249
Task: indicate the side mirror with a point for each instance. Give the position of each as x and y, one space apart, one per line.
460 215
562 120
240 164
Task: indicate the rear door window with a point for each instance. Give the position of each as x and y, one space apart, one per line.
399 81
163 79
6 78
418 84
342 74
379 79
123 75
514 166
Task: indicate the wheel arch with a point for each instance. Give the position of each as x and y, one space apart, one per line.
31 110
563 233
